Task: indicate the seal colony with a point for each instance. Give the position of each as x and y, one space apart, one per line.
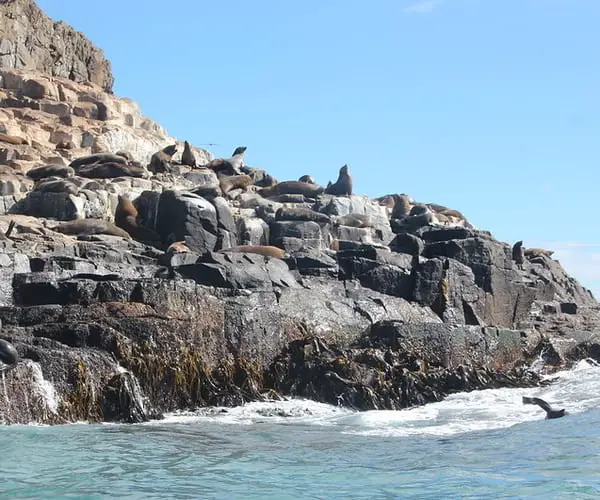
286 202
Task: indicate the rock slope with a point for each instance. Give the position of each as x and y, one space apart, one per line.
137 282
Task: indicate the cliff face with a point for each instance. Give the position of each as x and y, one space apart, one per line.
383 303
31 40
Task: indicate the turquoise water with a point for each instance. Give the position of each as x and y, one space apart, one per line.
480 445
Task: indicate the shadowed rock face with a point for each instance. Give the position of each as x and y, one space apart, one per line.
57 49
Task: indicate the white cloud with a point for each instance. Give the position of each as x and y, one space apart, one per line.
423 6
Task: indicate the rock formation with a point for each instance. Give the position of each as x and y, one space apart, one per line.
144 308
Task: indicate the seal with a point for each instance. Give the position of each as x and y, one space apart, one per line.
126 218
207 191
178 247
402 206
160 162
97 158
88 227
110 170
537 252
308 179
13 139
301 214
419 216
518 255
291 187
50 171
354 220
241 181
52 185
550 412
8 355
265 250
229 166
187 157
125 154
343 185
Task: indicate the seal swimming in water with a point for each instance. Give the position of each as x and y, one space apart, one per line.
550 412
343 185
8 355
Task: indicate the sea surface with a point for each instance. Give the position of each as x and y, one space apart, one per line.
483 444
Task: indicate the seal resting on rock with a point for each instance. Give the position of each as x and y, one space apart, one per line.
52 185
50 171
241 181
301 214
97 158
8 355
537 252
402 206
343 185
91 226
291 187
161 160
229 166
187 157
13 139
110 170
308 179
550 412
126 218
178 247
354 220
265 250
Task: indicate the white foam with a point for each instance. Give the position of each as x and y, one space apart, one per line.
43 387
575 390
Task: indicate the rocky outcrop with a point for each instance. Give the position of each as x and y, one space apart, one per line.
129 293
55 50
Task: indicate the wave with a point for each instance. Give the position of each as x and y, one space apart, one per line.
575 390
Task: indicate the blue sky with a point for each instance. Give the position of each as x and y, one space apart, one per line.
489 107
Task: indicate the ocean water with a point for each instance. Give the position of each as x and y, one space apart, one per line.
483 444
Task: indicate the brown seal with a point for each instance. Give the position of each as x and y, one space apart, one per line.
291 187
402 206
308 179
97 158
354 220
161 160
126 218
110 170
178 247
125 154
228 183
50 171
13 139
228 166
52 185
90 226
187 157
301 214
343 185
536 252
265 250
207 190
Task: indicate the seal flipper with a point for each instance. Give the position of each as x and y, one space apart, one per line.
550 412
